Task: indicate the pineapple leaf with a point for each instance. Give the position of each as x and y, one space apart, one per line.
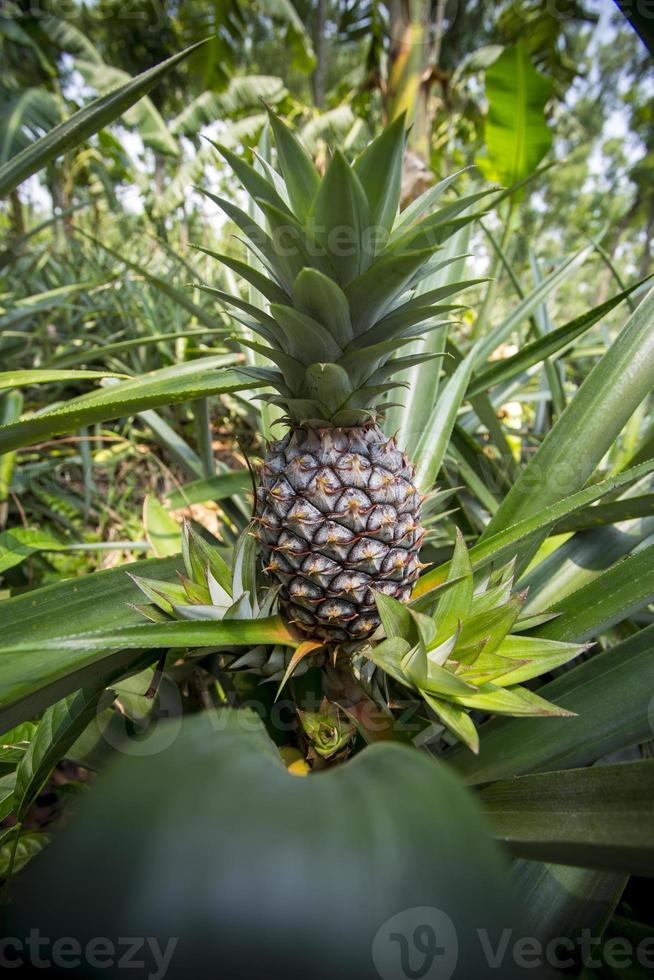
433 230
411 324
396 618
328 384
361 364
372 294
304 649
491 625
340 220
254 232
398 364
454 605
293 371
300 175
379 168
320 297
456 719
163 594
59 727
388 656
514 701
259 315
254 182
430 677
534 656
201 557
308 340
414 211
272 292
294 248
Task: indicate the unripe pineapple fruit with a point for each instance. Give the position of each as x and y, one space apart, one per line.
343 283
339 521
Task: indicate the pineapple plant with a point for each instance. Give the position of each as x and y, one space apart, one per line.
338 513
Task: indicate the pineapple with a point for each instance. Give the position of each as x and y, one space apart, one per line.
340 273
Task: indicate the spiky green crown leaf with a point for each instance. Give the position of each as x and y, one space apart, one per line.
341 272
471 650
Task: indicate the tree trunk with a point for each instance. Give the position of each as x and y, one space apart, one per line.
320 48
407 49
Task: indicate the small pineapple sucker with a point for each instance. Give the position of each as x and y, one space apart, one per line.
338 520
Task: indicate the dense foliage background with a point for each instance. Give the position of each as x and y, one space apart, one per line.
101 281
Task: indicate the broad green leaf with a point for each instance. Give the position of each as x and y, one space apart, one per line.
29 845
167 386
613 512
59 727
84 123
30 684
497 335
590 424
516 133
243 92
7 784
599 817
433 444
19 543
555 342
610 695
502 544
21 379
235 482
613 596
14 742
11 407
342 819
100 351
560 902
162 531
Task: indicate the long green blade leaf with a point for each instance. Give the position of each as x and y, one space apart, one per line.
84 123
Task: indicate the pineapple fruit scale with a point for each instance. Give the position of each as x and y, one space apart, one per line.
339 285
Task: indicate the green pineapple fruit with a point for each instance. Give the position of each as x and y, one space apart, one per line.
341 273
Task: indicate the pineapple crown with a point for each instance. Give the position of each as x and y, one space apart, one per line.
341 272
